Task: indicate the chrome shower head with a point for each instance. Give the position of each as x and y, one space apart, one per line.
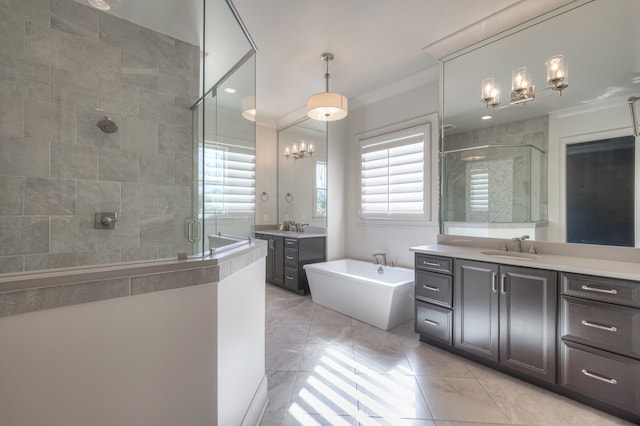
107 125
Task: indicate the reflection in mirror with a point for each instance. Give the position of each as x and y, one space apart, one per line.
605 66
302 173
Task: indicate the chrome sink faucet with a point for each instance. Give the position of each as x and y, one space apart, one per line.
519 241
384 258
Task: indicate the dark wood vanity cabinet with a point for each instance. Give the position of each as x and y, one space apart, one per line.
275 255
434 298
600 339
507 314
286 257
575 334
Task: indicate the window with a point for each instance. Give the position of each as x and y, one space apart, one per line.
479 189
320 193
229 179
393 170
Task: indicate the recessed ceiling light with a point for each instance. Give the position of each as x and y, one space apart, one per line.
230 90
100 4
486 117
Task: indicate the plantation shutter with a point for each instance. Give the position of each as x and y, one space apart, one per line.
393 174
229 173
479 189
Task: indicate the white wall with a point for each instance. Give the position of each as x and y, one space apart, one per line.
337 162
366 237
266 174
160 359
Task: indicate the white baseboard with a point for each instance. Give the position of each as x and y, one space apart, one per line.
258 405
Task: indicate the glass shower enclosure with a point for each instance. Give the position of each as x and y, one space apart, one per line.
225 162
493 190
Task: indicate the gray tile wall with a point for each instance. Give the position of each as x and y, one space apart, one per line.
61 61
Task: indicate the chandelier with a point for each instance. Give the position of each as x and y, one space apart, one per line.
297 152
522 88
327 106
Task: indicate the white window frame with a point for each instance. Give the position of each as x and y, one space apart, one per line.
428 125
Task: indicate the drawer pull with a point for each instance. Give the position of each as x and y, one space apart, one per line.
290 257
433 323
599 377
494 282
600 290
503 289
424 262
290 278
598 326
430 288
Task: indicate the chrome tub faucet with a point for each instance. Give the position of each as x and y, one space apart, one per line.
384 258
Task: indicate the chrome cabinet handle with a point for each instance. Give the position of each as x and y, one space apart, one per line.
271 244
430 288
494 282
424 262
598 326
600 290
290 257
429 322
503 289
599 377
289 278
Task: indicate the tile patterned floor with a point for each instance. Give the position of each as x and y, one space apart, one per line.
325 368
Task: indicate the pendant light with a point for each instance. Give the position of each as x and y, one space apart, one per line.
327 106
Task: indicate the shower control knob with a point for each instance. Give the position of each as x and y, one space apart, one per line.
108 220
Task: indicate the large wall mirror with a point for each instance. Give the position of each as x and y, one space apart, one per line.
563 166
302 173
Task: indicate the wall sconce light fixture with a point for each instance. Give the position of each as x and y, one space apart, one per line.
299 151
522 88
327 106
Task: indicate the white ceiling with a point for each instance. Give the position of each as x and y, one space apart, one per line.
376 43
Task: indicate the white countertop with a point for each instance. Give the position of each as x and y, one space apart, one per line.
578 265
290 234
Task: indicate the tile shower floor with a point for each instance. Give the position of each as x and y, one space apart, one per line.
325 368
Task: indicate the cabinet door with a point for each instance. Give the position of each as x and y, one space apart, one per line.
278 261
528 300
476 308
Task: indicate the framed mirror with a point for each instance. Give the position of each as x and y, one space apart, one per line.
512 166
302 173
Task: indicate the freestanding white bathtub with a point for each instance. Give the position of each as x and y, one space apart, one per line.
357 289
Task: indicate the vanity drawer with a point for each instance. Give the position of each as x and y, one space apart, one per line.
434 321
291 242
610 327
435 288
434 263
600 375
604 289
291 278
291 257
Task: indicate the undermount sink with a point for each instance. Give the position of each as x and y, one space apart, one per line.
509 255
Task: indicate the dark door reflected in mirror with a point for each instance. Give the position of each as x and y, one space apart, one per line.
600 184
